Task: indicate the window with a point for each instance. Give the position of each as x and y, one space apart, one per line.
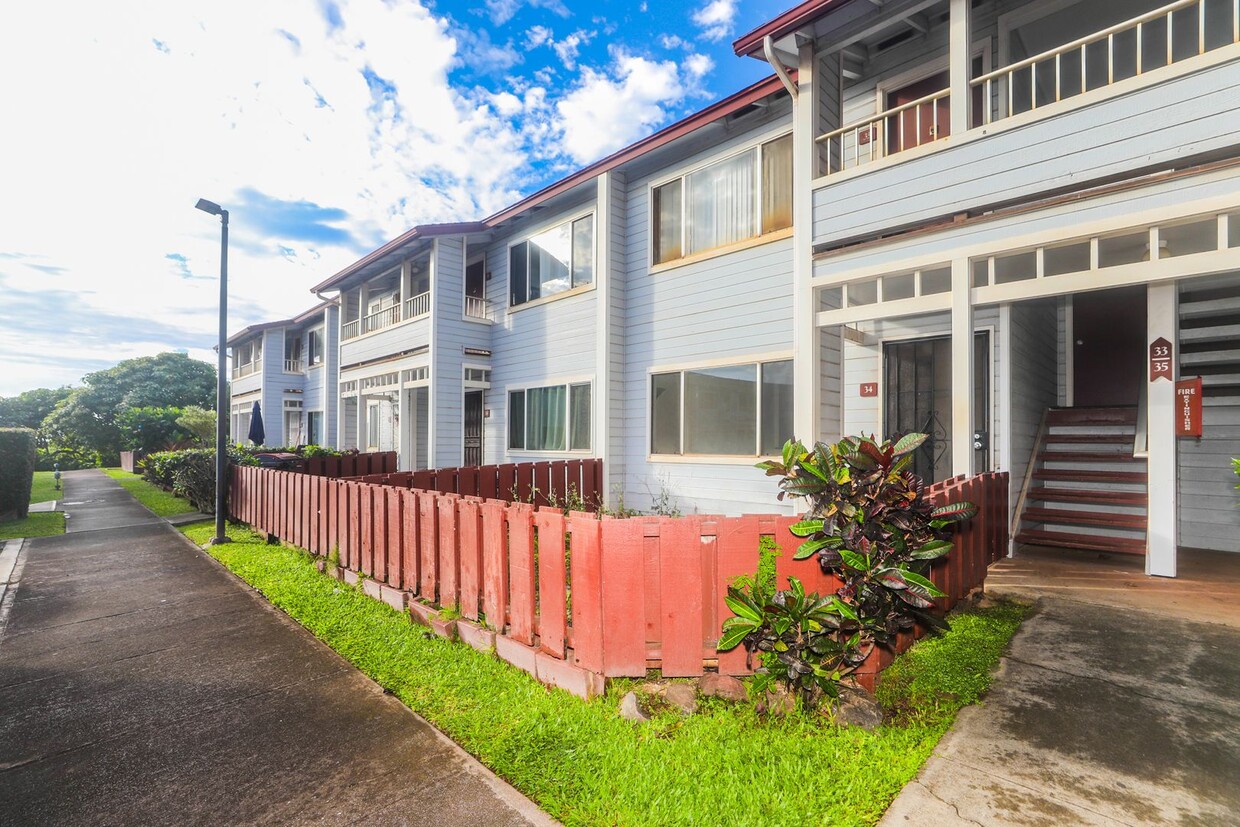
738 198
314 427
736 410
552 262
314 346
553 418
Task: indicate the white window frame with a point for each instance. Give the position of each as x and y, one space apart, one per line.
719 459
568 384
321 332
590 212
758 238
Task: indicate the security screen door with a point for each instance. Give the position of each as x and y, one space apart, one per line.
917 392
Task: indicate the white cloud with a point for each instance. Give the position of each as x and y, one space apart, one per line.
568 48
698 65
672 41
607 110
536 36
501 11
716 18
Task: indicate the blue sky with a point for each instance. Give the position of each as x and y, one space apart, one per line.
325 127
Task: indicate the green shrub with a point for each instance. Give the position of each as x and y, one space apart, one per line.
870 524
17 459
190 474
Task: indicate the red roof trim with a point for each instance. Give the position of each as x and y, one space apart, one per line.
789 21
720 109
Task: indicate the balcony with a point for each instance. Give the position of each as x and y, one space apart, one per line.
294 366
1114 55
414 308
477 308
1139 94
246 369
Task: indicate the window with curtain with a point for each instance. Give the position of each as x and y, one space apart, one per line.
734 410
551 418
314 346
554 261
741 197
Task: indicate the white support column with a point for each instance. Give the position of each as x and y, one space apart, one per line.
805 367
962 369
1163 531
959 61
600 407
405 268
432 369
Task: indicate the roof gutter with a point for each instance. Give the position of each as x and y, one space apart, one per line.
768 48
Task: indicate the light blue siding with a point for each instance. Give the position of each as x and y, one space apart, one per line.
452 334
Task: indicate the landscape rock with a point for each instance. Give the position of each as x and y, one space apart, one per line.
683 696
713 685
655 690
631 710
779 701
857 707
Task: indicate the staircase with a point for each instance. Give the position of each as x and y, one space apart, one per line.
1086 490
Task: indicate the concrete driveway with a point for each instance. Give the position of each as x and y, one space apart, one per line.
141 683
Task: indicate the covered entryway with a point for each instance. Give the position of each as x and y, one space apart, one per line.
472 435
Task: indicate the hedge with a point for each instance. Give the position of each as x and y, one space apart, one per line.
17 458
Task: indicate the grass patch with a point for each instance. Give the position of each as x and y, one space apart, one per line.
583 764
161 502
44 488
35 525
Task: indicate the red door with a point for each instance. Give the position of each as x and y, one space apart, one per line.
1109 358
921 124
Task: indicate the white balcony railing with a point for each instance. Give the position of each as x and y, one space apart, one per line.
419 305
1166 35
386 317
294 366
893 130
245 370
1154 42
351 330
477 308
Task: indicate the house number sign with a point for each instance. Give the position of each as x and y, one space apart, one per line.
869 389
1188 407
1160 359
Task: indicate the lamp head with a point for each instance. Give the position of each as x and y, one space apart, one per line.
209 207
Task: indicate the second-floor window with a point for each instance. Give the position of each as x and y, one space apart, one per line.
314 346
551 262
741 197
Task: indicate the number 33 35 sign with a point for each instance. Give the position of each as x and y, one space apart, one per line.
1160 360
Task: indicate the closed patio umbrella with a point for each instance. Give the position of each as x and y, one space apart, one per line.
256 434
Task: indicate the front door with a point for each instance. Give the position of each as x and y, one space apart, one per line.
917 393
921 124
1108 354
473 428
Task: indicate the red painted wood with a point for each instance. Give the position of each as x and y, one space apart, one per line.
366 522
525 482
680 564
506 481
542 483
449 561
395 552
624 598
467 481
737 547
552 582
488 483
587 596
407 502
494 564
428 546
521 574
558 481
469 531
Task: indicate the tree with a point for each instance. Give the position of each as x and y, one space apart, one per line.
151 429
30 408
200 423
86 422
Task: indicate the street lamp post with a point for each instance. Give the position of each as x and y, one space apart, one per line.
221 420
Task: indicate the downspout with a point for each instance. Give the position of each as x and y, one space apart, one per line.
768 49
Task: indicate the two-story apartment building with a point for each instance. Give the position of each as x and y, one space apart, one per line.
1008 207
289 367
1009 224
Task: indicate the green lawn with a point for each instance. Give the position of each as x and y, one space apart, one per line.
44 488
583 764
156 499
35 525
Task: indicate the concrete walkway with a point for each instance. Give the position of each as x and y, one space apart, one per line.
140 683
1101 715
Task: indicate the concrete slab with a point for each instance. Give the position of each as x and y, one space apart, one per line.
45 507
93 501
1100 715
141 683
186 519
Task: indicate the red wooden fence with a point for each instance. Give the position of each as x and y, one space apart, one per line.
537 483
351 465
634 594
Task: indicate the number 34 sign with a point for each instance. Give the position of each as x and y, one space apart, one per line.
1160 360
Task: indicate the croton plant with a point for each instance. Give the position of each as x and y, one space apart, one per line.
870 523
